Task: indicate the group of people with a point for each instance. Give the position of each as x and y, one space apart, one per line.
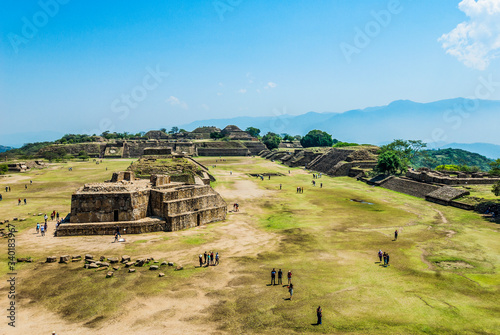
382 255
314 184
279 274
316 175
236 207
300 190
19 201
41 228
209 258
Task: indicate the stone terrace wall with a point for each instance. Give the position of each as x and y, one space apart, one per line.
408 186
91 207
196 218
433 178
223 152
109 228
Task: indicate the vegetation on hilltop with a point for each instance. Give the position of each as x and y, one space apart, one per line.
317 138
458 157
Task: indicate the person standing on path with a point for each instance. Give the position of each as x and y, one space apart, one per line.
116 237
42 231
280 277
45 218
37 228
25 202
380 254
18 201
289 277
273 277
396 235
290 289
217 258
319 314
201 260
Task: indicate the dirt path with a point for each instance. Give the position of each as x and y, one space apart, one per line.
184 311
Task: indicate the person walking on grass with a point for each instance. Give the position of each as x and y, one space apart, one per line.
25 202
37 228
45 227
273 277
217 259
387 257
280 277
290 289
45 218
18 201
380 254
201 260
319 314
289 276
396 235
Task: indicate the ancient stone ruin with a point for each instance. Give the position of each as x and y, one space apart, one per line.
141 205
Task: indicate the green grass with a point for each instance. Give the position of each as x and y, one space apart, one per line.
328 241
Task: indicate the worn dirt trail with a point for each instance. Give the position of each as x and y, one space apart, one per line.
181 312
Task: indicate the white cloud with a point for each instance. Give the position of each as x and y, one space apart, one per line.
270 85
176 102
475 42
242 90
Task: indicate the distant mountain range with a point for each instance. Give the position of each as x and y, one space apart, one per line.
446 121
4 148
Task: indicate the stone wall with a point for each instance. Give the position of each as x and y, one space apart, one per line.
446 180
408 186
158 151
223 152
196 218
109 228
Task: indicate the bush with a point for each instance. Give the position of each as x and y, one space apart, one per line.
344 144
4 168
317 138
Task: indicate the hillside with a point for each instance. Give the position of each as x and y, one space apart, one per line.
486 149
433 158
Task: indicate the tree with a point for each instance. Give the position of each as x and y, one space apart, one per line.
496 189
174 130
317 138
253 131
495 167
83 155
4 168
163 130
182 131
216 135
389 163
271 140
406 150
288 138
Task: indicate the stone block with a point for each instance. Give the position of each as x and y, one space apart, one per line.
88 256
161 274
125 258
129 264
170 263
179 267
93 266
113 260
64 259
131 270
109 274
153 267
164 263
116 268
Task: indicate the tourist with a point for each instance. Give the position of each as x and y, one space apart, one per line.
314 183
201 260
52 216
116 237
269 177
396 235
10 190
57 215
280 277
380 254
1 197
387 257
321 185
46 218
208 259
280 186
18 201
217 259
42 230
117 231
273 277
31 182
25 201
319 314
37 228
290 289
6 189
205 257
212 257
289 276
25 186
45 227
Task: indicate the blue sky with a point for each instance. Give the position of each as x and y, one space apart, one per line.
89 66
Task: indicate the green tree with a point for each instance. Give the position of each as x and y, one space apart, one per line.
182 130
288 138
4 168
496 189
174 130
389 162
317 138
406 150
163 130
216 135
253 131
495 167
271 140
83 155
